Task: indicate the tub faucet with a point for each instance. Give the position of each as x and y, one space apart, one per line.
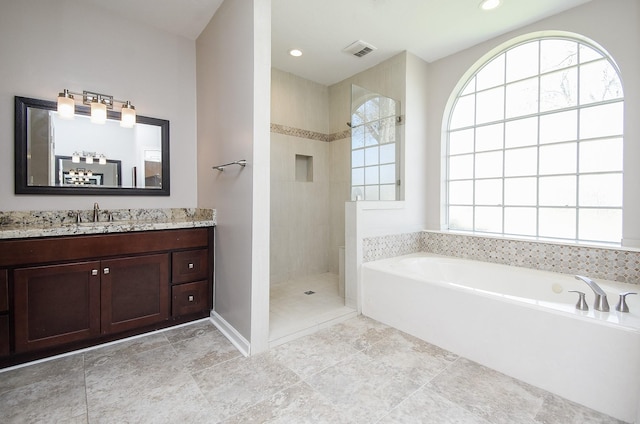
96 212
601 303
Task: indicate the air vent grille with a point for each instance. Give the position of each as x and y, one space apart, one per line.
359 48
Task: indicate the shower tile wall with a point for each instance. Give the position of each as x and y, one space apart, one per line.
306 229
603 263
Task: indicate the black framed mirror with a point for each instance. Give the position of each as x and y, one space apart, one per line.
50 152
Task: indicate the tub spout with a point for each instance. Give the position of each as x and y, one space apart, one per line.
601 303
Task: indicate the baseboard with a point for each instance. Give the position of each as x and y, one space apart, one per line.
231 333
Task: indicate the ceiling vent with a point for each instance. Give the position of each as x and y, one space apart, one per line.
359 48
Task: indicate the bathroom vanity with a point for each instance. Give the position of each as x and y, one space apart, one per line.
97 282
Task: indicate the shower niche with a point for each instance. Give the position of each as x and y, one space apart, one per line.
304 168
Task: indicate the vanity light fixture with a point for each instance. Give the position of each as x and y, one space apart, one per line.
99 104
489 4
89 157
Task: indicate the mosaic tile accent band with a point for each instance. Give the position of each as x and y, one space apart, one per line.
311 135
374 248
601 263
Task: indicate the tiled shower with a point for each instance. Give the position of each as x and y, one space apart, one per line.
309 185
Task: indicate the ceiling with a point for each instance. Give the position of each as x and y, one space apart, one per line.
430 29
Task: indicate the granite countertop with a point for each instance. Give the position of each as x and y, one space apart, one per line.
26 224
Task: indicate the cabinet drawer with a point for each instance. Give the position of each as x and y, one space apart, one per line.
190 265
189 298
4 335
4 291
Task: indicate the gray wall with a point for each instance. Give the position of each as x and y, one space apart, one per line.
233 68
41 56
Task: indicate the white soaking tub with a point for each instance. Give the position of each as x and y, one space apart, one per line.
518 321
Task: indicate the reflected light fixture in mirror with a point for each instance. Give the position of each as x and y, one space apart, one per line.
99 104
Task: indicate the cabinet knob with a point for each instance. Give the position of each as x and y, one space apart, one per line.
94 272
190 298
190 266
105 271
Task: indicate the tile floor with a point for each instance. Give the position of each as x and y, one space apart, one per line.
292 313
358 371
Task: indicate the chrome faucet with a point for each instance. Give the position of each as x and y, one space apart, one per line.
601 303
96 212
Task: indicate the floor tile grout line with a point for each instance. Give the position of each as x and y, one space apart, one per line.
461 406
239 356
84 378
406 398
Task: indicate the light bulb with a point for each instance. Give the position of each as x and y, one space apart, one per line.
128 115
89 159
102 160
98 112
66 105
75 158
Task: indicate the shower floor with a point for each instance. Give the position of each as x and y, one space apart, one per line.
293 314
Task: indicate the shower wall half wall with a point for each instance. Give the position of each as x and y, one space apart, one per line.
309 179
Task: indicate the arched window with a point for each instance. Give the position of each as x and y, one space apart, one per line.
375 141
534 144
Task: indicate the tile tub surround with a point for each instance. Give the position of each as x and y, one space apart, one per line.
24 224
359 371
612 264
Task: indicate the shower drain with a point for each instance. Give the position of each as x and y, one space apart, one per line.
309 292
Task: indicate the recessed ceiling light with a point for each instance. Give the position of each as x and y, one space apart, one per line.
295 52
489 4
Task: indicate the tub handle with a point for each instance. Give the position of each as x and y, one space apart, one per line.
582 303
622 303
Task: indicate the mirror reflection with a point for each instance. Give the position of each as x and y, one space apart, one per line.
70 156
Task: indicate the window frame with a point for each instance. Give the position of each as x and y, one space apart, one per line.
462 89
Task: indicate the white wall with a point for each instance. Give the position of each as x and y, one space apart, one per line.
233 74
615 25
46 46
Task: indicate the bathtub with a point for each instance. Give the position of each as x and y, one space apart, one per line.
518 321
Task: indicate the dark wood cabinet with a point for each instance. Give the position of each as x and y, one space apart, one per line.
189 276
135 292
189 298
189 265
4 313
62 293
56 304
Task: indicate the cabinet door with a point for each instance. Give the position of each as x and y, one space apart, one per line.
135 292
56 305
